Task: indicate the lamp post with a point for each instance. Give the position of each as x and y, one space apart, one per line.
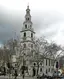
57 68
37 68
9 67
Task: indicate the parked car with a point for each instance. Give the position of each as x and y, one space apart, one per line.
57 73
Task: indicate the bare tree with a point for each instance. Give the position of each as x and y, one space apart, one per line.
43 47
11 44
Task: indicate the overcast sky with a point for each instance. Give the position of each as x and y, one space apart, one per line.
47 18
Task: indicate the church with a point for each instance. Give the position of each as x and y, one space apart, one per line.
27 56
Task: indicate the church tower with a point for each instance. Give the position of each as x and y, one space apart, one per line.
27 33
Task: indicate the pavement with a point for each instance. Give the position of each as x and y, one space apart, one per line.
19 77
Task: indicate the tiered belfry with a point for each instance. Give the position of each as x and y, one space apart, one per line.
27 32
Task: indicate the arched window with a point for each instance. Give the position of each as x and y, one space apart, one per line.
46 71
28 18
34 64
24 34
31 35
46 62
24 45
49 69
40 69
25 25
40 63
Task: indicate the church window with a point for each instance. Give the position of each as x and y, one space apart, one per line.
49 69
24 34
40 69
31 45
28 18
46 71
34 64
24 45
32 35
40 63
26 26
46 62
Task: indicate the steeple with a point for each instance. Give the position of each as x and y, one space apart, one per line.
28 10
27 24
28 16
27 32
28 6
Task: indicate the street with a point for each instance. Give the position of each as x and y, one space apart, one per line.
7 77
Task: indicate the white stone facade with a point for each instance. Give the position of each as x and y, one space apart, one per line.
42 64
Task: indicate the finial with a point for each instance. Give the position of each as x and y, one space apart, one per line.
28 6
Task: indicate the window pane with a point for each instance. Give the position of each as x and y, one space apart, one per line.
34 64
28 18
40 63
26 26
49 69
24 34
40 69
31 34
46 71
46 61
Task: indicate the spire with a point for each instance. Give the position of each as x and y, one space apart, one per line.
28 6
28 16
28 10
